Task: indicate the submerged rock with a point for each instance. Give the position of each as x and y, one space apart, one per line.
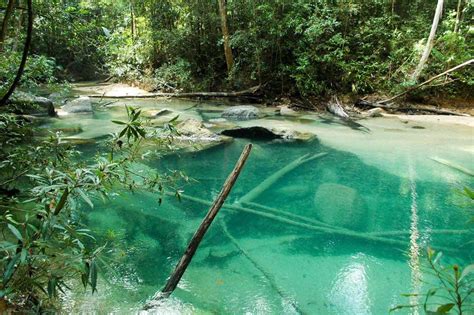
340 205
82 104
32 104
262 133
244 112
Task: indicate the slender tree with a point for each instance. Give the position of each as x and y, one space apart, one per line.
429 42
6 18
229 58
459 10
26 49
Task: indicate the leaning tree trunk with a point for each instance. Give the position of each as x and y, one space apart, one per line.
429 42
459 10
6 18
26 49
229 58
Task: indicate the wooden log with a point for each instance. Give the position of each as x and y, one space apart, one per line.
206 223
452 165
432 232
464 64
257 191
366 237
335 108
291 215
404 108
245 93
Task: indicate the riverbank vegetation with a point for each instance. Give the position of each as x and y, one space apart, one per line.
303 48
308 50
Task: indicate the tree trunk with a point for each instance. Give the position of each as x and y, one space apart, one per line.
6 18
430 41
133 20
458 15
26 49
229 58
206 223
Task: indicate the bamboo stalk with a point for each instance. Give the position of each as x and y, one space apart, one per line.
201 231
269 181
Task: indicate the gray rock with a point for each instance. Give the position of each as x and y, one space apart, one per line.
79 105
374 112
287 111
244 112
32 104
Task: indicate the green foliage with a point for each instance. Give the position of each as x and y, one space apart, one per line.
453 292
43 186
39 69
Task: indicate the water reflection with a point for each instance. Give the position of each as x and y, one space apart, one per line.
414 246
349 293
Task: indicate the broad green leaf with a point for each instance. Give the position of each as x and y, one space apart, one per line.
443 309
466 271
15 232
93 276
85 198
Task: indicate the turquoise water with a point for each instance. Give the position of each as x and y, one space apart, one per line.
341 234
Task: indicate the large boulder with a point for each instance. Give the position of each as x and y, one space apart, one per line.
193 136
32 104
340 205
244 112
82 104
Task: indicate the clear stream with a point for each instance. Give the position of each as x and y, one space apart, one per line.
327 255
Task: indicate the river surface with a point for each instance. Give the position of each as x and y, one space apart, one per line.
343 233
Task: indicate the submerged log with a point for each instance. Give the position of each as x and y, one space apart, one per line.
452 165
365 237
252 93
257 191
206 223
265 273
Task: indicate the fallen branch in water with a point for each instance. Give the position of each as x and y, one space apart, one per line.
252 92
366 237
452 165
201 231
257 191
266 274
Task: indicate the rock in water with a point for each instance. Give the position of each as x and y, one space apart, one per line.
31 104
79 105
287 111
340 205
244 112
251 133
374 112
262 133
